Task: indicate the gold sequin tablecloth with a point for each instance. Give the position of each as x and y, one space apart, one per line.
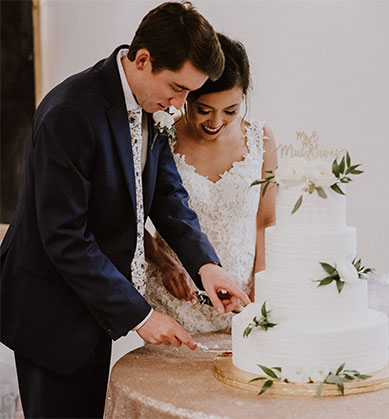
166 382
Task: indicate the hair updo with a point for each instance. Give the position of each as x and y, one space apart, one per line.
236 70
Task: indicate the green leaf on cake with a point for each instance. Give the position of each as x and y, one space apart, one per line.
319 389
266 386
321 192
326 281
247 331
339 285
340 377
363 376
340 368
328 268
351 169
336 188
340 171
258 182
342 165
257 379
297 205
348 160
263 309
335 168
269 382
268 371
263 323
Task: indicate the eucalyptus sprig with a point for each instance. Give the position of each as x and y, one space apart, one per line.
340 377
334 274
362 270
269 381
262 323
342 171
266 181
310 188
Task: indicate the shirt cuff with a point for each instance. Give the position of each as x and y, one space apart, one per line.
143 321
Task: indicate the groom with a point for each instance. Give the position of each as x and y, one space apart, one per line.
68 269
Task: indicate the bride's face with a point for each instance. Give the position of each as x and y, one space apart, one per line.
210 114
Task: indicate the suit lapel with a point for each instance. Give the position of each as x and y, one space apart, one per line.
118 120
121 134
151 168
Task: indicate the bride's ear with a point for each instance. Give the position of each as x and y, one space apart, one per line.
142 59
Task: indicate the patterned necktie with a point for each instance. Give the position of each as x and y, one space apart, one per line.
138 269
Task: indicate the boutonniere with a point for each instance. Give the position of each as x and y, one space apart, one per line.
163 125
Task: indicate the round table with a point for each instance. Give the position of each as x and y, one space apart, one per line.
167 382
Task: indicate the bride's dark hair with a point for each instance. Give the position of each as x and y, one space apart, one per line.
236 70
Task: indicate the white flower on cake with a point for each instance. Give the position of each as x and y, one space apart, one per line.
317 374
320 173
343 272
291 172
295 374
346 270
306 374
314 175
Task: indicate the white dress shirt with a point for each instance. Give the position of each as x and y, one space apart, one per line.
131 105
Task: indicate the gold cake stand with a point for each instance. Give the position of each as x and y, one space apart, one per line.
226 372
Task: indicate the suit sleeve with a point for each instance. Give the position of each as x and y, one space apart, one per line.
64 149
176 221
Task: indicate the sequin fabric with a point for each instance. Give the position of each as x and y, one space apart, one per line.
138 268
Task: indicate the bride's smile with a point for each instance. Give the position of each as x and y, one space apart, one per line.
212 113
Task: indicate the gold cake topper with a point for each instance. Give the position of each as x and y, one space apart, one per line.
308 147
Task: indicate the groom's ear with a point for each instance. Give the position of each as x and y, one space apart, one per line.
142 59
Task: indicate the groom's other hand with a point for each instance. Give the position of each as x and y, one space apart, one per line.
162 329
221 288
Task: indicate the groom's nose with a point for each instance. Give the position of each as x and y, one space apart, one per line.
178 99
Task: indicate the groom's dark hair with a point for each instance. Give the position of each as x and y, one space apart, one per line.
174 33
236 70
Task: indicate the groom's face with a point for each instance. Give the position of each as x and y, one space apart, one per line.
159 90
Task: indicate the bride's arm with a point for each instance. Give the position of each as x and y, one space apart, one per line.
266 208
174 276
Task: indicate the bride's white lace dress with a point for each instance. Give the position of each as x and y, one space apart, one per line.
227 213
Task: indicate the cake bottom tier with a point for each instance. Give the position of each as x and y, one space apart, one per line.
363 347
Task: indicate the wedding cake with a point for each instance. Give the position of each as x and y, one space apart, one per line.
310 313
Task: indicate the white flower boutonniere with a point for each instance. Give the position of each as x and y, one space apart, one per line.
164 125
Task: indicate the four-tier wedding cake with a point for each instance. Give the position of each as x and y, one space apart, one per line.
310 313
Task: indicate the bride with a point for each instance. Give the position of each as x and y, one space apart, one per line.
218 155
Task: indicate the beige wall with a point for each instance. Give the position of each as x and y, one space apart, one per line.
319 65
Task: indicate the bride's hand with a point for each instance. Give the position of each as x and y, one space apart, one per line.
221 288
176 280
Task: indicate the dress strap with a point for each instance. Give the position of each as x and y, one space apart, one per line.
255 136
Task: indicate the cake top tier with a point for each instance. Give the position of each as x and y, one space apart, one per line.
311 193
314 213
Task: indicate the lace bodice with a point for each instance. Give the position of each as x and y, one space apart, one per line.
227 212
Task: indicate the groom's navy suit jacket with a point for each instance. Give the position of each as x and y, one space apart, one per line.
66 257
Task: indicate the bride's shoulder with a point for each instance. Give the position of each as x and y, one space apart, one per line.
254 128
260 128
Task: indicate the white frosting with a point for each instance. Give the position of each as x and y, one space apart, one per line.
316 326
307 303
363 347
299 253
315 213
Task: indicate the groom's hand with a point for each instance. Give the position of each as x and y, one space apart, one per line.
162 329
221 288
